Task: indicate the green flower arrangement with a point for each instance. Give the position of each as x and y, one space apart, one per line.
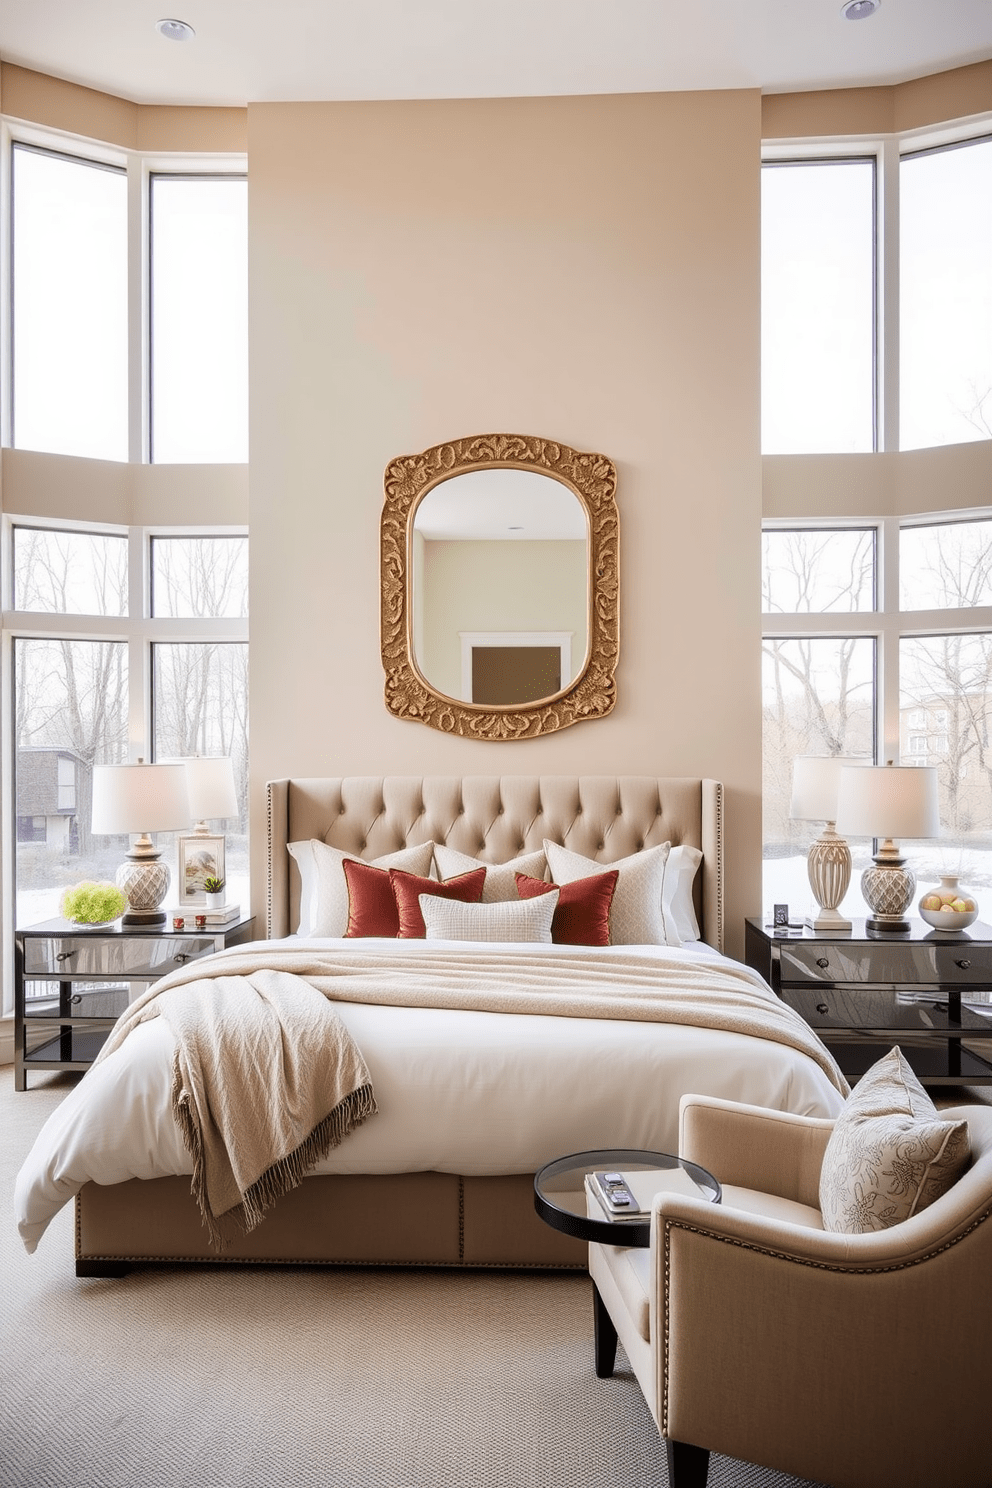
91 903
213 885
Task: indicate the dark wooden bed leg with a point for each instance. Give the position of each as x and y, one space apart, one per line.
102 1268
605 1336
688 1466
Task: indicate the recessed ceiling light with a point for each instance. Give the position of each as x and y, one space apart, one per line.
860 10
175 30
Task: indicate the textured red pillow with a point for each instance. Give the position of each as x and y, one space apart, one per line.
583 913
408 887
371 902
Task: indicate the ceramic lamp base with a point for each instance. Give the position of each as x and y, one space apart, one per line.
888 887
145 881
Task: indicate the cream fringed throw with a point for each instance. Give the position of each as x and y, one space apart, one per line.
266 1080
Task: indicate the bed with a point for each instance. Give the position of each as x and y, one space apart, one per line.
472 1098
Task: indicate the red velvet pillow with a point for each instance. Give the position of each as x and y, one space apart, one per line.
408 887
371 903
583 913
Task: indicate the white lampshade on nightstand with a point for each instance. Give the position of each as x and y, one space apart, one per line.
815 784
139 799
212 793
888 801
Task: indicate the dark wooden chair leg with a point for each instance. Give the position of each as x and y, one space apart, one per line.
605 1335
688 1466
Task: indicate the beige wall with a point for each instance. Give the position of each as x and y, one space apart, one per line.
580 268
498 586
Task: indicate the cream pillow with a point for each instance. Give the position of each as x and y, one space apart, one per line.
324 893
522 920
636 916
889 1155
500 882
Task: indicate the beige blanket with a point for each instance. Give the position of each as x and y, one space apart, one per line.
266 1080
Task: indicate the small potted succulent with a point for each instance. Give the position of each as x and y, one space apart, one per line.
93 904
214 890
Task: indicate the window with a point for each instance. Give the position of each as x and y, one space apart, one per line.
164 685
836 682
199 318
817 298
70 347
82 370
945 286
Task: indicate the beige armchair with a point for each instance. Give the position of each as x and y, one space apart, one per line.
859 1361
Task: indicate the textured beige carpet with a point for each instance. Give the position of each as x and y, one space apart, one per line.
322 1379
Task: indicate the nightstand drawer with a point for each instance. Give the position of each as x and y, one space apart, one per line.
896 963
117 956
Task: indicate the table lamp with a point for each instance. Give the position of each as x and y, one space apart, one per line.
212 794
888 801
815 782
139 799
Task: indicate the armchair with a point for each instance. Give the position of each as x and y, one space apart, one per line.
861 1361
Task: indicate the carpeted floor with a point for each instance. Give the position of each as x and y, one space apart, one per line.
323 1379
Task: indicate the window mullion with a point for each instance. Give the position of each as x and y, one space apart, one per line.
137 310
887 296
887 661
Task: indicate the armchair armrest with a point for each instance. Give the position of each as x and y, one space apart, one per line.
752 1147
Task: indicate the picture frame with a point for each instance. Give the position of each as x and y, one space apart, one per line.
200 857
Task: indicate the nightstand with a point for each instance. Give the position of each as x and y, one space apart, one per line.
929 991
71 985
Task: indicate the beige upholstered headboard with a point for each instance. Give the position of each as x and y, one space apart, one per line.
495 817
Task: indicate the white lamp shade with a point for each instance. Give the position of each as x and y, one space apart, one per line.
139 798
888 801
815 783
210 783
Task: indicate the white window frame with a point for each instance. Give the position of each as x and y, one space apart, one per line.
887 151
887 625
139 167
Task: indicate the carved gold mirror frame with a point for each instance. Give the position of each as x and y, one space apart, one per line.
593 479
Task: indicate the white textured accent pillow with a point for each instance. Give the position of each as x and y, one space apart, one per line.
889 1154
501 883
676 895
636 916
525 920
324 895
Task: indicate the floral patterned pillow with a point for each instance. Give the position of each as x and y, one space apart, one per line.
889 1155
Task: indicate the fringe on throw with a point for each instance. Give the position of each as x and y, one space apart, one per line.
288 1173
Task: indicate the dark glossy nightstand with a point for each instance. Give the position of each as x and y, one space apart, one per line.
930 991
71 985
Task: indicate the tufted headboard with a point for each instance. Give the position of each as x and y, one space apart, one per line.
495 817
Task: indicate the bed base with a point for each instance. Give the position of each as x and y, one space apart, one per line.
397 1219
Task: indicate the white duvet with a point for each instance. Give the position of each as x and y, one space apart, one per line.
458 1092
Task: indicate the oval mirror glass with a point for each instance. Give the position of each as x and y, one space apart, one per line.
500 570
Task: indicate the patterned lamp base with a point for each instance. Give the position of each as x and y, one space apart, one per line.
145 881
829 869
888 887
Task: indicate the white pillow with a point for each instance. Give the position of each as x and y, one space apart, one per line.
676 894
324 896
525 920
636 916
500 881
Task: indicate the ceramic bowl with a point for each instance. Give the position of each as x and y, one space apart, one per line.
948 919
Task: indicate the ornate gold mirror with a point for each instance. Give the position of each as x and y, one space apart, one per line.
499 586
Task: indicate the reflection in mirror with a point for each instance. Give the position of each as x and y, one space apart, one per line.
500 587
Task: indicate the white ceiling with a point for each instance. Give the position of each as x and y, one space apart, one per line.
501 506
251 51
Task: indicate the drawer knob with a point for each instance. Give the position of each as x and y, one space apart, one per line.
77 998
822 961
64 955
821 1007
964 965
181 957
